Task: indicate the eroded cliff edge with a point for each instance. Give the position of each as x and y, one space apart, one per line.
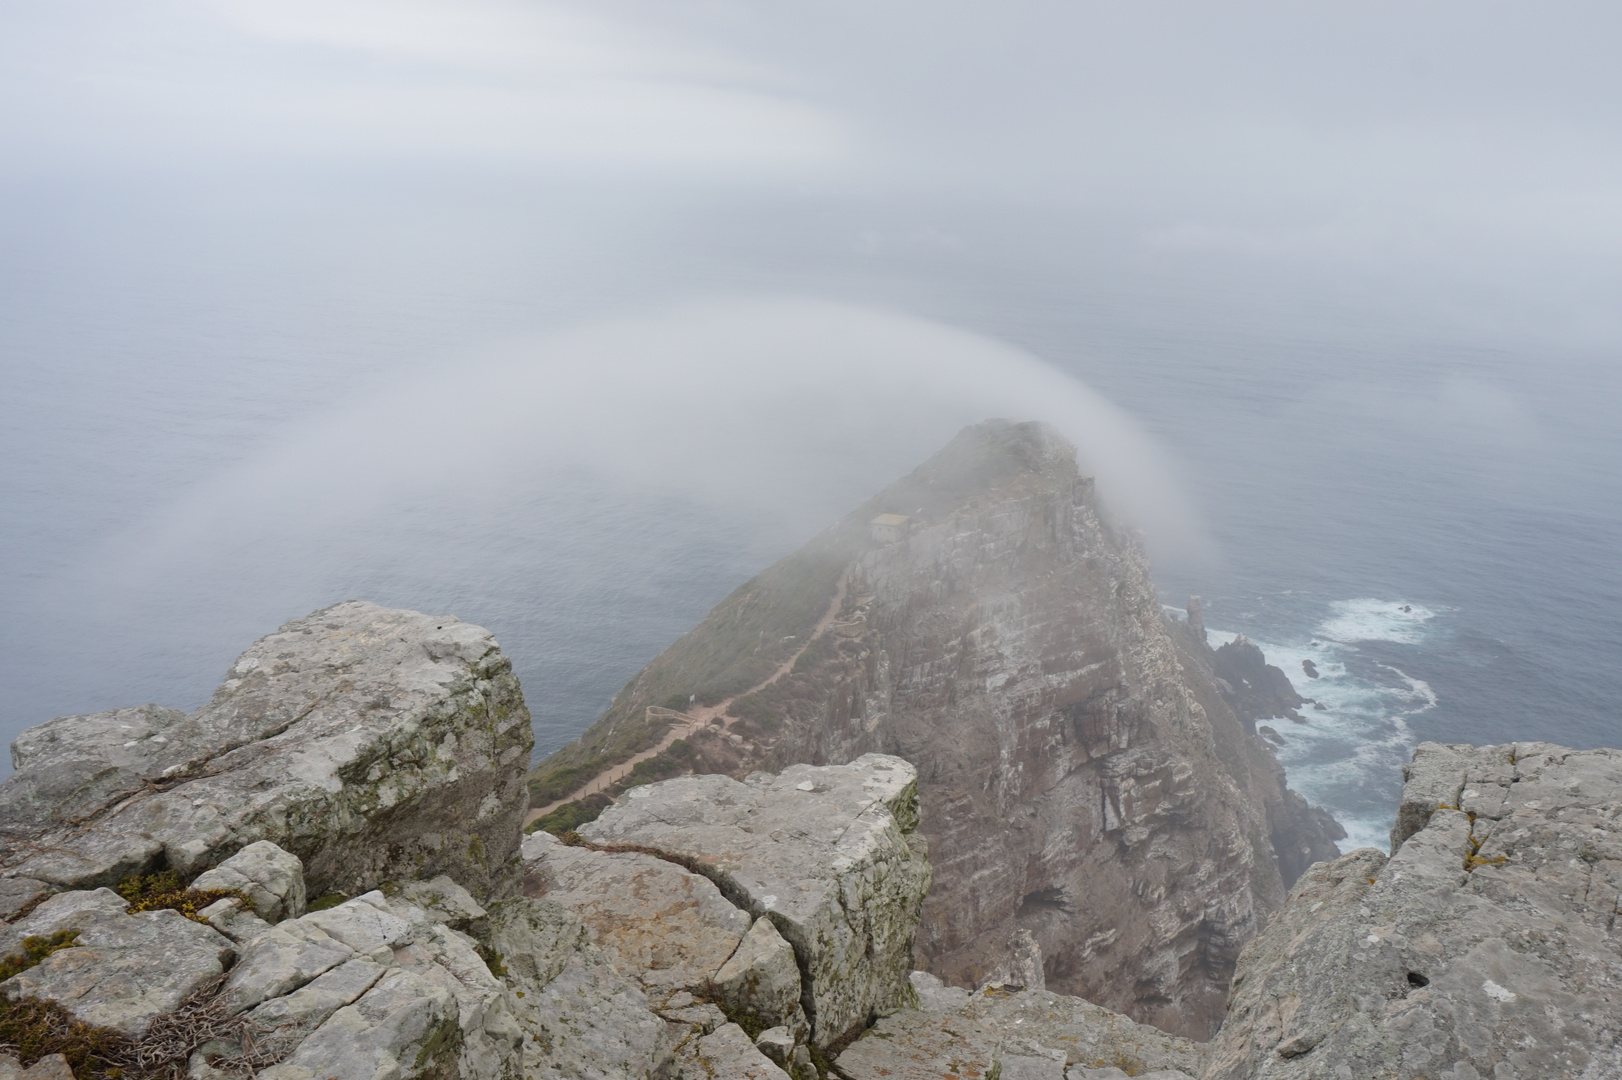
1101 820
707 926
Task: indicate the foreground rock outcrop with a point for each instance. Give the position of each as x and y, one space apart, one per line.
710 927
1486 946
1014 1032
374 744
828 855
1101 821
717 928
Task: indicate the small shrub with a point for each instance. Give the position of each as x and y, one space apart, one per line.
330 900
676 759
571 816
165 891
36 949
561 781
33 1029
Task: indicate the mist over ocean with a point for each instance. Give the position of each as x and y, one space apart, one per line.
1370 435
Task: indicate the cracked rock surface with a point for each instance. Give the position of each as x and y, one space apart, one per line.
1486 946
828 853
372 743
124 970
1010 1033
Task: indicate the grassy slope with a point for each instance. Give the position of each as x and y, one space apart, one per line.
766 619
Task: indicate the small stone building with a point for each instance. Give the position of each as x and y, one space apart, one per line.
889 528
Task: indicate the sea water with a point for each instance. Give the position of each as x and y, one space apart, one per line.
1360 725
1424 504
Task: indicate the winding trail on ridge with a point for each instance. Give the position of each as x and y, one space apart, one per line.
697 719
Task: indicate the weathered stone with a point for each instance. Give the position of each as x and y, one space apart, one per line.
1433 779
280 961
440 900
655 921
404 1026
491 1037
17 893
581 1018
374 744
364 924
936 996
49 1067
1484 947
125 969
823 851
777 1044
293 1016
702 1018
728 1052
272 878
1085 776
236 922
74 767
1029 1033
761 978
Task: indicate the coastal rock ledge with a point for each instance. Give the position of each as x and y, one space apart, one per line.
363 906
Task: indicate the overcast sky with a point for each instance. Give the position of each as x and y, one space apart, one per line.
1476 142
1047 97
1283 238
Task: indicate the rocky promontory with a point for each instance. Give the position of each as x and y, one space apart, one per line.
1103 819
358 903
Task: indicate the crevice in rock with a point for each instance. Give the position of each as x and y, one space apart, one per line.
731 892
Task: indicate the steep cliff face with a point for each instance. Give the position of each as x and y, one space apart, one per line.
1099 818
1488 943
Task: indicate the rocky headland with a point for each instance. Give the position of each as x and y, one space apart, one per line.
953 798
337 887
1103 818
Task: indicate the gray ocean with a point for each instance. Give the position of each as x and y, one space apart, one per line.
229 401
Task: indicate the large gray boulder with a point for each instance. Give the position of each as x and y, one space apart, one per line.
728 1052
656 922
1486 946
404 1027
1009 1033
124 970
373 744
272 879
581 1018
827 853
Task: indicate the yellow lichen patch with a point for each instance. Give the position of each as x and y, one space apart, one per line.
36 949
165 891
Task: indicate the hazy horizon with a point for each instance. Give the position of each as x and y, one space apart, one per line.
567 318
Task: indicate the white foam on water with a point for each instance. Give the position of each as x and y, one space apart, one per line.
1348 756
1367 619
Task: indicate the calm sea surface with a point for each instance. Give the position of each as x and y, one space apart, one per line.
1404 484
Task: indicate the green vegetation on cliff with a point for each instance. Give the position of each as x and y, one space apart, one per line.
766 620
